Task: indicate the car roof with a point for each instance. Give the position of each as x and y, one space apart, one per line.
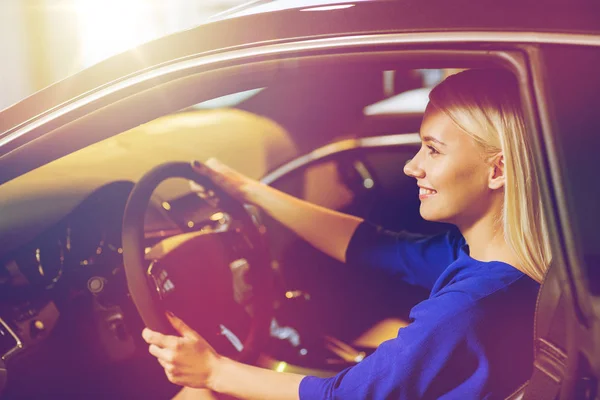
362 18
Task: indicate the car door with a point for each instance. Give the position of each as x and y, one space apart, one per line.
567 329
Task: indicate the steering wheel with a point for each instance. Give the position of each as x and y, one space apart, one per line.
205 277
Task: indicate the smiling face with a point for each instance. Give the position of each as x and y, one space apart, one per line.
456 184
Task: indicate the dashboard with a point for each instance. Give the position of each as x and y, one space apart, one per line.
80 259
79 255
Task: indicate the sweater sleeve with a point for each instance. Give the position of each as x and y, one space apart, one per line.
432 356
418 259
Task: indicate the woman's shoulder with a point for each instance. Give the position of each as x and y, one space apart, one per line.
473 302
481 284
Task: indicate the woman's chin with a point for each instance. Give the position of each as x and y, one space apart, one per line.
432 215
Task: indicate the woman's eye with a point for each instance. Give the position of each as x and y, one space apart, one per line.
432 150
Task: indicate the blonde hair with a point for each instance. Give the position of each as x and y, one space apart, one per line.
486 105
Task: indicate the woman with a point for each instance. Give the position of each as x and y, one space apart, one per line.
472 337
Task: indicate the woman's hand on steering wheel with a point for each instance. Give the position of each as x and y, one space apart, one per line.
188 359
234 183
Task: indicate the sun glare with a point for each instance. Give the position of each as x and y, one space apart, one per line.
112 26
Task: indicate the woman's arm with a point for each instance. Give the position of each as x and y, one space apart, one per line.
327 230
253 383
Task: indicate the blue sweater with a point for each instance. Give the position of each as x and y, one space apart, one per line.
471 339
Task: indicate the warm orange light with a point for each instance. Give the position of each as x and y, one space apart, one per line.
217 216
281 366
110 27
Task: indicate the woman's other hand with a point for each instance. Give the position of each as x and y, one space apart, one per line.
188 359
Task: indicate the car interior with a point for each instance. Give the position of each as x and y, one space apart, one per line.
334 131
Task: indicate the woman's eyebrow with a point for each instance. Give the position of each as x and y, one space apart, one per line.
432 139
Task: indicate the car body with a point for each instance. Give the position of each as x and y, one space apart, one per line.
301 79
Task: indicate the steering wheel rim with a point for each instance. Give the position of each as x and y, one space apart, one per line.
144 297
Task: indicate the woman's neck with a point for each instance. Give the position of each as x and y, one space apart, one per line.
486 241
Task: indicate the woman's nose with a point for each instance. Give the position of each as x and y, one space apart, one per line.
412 168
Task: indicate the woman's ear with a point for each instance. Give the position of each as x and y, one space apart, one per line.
497 178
